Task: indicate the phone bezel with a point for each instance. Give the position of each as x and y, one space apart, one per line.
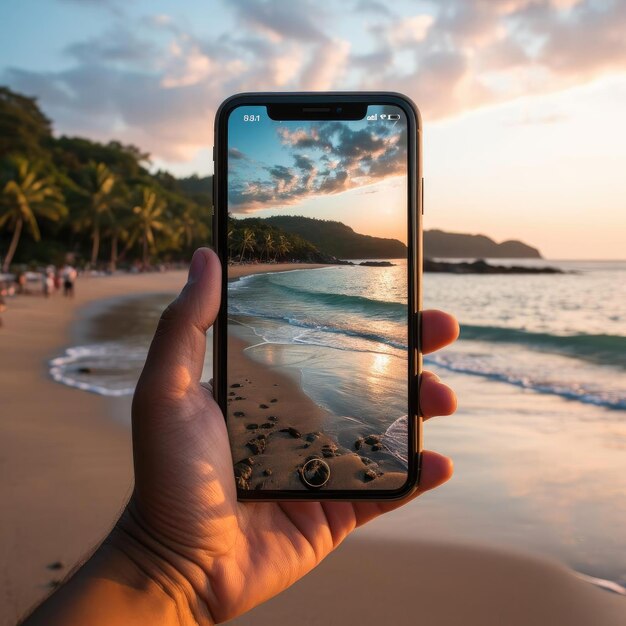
414 265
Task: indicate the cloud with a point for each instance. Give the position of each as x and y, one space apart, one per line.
470 53
409 30
106 103
327 159
326 67
117 45
372 6
151 81
115 7
303 162
282 20
590 39
234 153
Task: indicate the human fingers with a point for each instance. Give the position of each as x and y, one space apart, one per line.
435 398
176 355
439 329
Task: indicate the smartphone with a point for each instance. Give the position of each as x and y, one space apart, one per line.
317 222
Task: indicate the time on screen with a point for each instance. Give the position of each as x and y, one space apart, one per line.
251 118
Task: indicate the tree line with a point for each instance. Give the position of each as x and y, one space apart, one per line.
257 240
99 204
96 201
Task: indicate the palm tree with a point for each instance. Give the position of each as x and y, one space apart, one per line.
27 195
101 188
187 225
247 243
268 245
118 222
147 220
283 246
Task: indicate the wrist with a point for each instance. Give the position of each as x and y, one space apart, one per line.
112 588
149 566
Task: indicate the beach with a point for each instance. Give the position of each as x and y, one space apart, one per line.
276 428
67 472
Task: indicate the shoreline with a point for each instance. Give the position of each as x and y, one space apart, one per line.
276 427
57 440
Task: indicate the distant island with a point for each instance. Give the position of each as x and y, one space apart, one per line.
439 244
482 267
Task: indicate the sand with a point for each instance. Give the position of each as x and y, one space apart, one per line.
387 582
66 467
275 428
66 471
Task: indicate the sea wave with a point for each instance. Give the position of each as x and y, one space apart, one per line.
530 377
396 311
108 369
602 349
396 437
313 325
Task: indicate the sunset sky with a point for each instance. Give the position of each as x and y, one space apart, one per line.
354 171
523 100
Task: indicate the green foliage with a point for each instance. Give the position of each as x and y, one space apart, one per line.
198 188
337 239
255 238
148 221
26 196
24 129
113 209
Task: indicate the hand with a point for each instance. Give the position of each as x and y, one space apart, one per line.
185 551
220 556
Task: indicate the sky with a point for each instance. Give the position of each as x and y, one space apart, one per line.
522 100
354 171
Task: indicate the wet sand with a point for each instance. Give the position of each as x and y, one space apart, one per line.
410 583
66 471
275 428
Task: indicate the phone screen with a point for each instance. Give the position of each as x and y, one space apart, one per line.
317 368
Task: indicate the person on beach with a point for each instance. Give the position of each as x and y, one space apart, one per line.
47 282
69 278
184 550
21 283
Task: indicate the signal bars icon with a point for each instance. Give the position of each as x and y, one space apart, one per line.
389 117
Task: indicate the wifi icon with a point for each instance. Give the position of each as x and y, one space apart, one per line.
383 116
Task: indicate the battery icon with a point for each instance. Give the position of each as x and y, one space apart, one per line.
393 116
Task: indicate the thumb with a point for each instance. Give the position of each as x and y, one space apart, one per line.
176 356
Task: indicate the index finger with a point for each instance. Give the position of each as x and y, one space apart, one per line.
439 329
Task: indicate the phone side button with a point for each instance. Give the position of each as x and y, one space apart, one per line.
422 195
417 442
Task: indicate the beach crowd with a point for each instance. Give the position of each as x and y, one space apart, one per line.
46 282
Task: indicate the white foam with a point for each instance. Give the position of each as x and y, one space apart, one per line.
110 368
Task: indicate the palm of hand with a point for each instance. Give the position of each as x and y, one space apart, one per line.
187 500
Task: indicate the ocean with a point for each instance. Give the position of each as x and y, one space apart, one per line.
540 435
